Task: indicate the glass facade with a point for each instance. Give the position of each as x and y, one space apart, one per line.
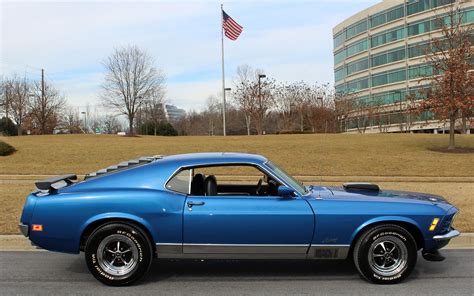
387 16
419 28
388 57
420 71
344 53
418 49
357 85
374 83
356 48
357 66
339 39
340 74
389 77
387 36
356 29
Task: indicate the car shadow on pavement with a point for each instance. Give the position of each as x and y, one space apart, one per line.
250 270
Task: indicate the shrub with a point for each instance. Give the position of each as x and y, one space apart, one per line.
162 129
6 149
7 127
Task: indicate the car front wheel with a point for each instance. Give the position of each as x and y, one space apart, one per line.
385 254
118 254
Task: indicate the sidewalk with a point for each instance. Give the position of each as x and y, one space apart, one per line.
20 243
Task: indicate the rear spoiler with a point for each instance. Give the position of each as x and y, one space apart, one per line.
48 183
361 186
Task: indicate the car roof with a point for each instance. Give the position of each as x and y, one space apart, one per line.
212 158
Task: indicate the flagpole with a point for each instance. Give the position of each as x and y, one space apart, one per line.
223 73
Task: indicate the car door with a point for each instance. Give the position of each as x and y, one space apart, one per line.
247 226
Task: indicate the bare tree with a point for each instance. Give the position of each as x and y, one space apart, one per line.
320 109
450 55
16 96
131 80
45 108
155 109
344 106
243 99
213 113
254 96
71 121
7 93
286 102
111 124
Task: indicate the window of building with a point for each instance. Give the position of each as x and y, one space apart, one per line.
340 74
339 56
388 77
396 13
357 85
436 3
339 39
356 29
389 97
387 16
356 48
388 57
357 66
418 49
420 71
341 88
387 36
419 28
415 6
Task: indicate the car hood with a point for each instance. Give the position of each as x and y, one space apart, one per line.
381 195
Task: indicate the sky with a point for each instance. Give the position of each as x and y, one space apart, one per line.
289 40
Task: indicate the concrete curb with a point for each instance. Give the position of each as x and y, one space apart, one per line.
15 242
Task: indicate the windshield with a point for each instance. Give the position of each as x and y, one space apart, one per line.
295 184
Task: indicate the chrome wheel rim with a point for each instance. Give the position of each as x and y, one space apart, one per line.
388 256
117 255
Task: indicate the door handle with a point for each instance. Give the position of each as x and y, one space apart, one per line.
195 203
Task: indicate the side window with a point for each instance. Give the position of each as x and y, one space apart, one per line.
181 182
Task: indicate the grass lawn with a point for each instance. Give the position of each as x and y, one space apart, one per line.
327 155
378 156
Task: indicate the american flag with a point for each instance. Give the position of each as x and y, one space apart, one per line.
231 28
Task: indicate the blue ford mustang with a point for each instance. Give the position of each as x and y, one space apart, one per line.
197 206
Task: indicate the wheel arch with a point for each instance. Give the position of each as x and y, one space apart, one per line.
408 224
97 221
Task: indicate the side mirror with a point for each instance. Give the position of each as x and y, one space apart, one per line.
285 191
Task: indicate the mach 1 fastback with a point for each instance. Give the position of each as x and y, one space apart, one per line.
230 206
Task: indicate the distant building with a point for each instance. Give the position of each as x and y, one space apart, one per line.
378 58
173 113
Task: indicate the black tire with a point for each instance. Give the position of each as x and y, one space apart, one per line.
118 268
371 258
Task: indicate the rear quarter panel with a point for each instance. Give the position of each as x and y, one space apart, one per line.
64 216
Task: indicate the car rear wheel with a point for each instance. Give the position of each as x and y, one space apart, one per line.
118 254
385 254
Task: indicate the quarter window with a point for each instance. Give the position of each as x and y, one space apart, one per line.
181 182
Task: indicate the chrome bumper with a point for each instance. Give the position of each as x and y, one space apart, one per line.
447 236
24 229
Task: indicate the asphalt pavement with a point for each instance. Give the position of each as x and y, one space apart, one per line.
49 273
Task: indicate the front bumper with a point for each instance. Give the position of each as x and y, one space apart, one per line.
447 236
24 229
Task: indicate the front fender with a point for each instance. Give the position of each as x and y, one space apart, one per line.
384 219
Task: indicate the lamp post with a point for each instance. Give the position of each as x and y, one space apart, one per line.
260 76
85 121
224 132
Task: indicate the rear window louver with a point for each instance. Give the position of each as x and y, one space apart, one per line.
124 165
